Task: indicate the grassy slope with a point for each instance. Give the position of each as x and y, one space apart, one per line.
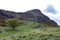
28 32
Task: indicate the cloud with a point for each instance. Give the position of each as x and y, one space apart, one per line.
52 13
50 9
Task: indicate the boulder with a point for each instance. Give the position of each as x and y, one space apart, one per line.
38 25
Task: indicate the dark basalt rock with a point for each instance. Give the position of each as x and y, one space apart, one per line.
40 17
32 15
5 13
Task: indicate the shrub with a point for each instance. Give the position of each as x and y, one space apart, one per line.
13 23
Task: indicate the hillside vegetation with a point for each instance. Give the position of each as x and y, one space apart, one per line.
29 31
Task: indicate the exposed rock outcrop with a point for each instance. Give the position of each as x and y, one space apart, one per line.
32 15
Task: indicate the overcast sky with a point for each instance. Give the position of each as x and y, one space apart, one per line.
51 8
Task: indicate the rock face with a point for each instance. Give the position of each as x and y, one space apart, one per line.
6 13
32 15
39 17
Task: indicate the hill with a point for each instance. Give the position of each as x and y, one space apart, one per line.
32 15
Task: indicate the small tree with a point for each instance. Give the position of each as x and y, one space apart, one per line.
13 23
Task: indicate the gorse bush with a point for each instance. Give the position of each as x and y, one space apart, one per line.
13 23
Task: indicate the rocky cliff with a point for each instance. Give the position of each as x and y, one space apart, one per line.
31 15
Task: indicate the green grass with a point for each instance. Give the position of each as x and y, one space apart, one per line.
28 32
